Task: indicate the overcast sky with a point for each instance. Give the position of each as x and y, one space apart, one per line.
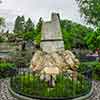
40 8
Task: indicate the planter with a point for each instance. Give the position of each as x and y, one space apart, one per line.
26 85
20 96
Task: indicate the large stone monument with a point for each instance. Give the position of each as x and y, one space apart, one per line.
52 39
53 59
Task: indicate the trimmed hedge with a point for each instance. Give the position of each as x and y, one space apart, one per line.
7 69
94 65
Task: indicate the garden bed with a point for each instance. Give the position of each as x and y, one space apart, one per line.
29 85
94 66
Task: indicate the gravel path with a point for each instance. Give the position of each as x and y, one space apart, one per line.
96 93
5 95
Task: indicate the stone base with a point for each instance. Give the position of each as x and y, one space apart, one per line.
54 63
52 46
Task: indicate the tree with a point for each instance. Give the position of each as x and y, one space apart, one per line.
1 39
29 30
23 23
97 37
68 39
2 21
93 39
38 32
74 34
29 26
24 30
28 36
39 26
90 10
19 24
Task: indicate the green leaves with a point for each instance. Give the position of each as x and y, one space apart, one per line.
39 26
29 26
1 39
37 39
2 21
28 36
93 39
19 24
90 10
90 40
74 34
24 29
4 66
67 39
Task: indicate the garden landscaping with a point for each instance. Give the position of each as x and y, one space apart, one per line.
54 72
7 69
65 88
5 94
94 65
20 84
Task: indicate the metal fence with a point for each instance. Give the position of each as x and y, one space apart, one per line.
23 83
88 58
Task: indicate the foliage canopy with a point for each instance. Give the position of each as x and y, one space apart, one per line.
90 10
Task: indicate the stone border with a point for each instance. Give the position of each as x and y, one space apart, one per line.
86 96
16 95
21 97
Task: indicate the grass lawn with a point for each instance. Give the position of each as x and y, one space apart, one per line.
90 62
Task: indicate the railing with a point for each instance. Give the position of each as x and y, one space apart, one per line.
24 83
88 58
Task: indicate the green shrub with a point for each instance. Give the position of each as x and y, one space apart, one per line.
6 69
4 66
87 65
94 65
38 39
97 67
97 72
22 58
96 77
1 39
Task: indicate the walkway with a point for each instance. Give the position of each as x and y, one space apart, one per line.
4 93
96 93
